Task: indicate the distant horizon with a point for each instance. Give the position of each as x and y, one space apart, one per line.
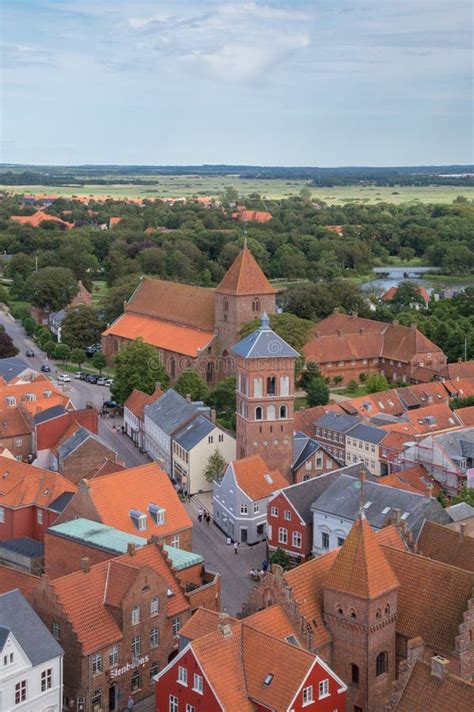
465 166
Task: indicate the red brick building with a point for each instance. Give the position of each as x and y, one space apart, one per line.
194 327
31 499
255 664
52 424
83 455
16 433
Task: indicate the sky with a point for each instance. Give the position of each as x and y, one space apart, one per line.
283 82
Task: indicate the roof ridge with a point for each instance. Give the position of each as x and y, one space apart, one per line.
467 573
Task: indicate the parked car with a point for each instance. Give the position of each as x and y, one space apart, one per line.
83 376
110 404
92 378
64 378
108 382
101 381
30 352
91 350
78 375
45 368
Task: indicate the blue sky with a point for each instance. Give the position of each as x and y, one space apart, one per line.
320 82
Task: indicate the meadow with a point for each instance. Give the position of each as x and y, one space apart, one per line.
193 185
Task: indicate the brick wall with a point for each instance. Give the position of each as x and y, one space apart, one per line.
293 525
49 432
85 460
62 556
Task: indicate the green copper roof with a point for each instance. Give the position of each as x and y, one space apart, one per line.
116 541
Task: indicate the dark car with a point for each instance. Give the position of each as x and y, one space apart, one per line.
29 352
45 368
110 404
92 378
83 376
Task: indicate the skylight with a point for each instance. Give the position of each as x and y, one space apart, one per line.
268 679
405 515
367 505
269 479
386 510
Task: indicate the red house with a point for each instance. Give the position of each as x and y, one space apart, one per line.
246 666
31 499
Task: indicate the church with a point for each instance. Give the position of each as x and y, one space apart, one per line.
194 327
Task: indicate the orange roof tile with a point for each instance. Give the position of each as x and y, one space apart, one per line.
162 334
22 485
254 478
115 495
444 418
260 216
107 468
13 423
466 415
114 221
45 394
461 369
203 622
36 219
137 400
11 579
446 545
245 277
360 567
414 479
304 419
425 691
275 622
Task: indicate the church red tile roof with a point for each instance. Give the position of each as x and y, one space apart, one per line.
11 579
360 567
426 691
245 277
446 545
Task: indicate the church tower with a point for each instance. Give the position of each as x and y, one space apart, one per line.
243 295
265 367
360 610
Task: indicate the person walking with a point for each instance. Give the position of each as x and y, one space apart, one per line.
200 513
208 518
265 565
235 547
130 703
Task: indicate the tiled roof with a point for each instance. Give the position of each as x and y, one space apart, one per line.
107 468
460 511
22 485
24 545
466 416
421 610
446 545
414 479
37 218
462 369
254 478
49 414
367 433
305 418
11 578
434 417
137 400
304 447
274 621
391 292
194 432
35 640
115 495
13 423
203 622
178 303
260 216
181 339
264 343
425 691
97 534
45 393
245 277
76 440
360 567
339 422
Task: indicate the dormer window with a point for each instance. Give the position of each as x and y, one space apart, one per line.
47 393
30 397
11 400
157 513
139 519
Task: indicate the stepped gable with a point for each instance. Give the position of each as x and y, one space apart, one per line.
361 568
245 277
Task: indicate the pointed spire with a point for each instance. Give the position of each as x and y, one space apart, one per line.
265 321
360 567
245 277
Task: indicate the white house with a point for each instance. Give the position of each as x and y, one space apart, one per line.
193 445
31 660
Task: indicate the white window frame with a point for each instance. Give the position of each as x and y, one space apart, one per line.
282 535
175 541
136 615
176 625
324 689
198 685
96 664
244 509
308 697
256 507
136 645
114 655
154 606
287 515
39 516
274 511
46 679
182 676
173 704
295 537
2 515
154 638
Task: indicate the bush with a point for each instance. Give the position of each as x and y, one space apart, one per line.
19 310
281 558
352 387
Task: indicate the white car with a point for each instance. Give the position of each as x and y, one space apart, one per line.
64 378
109 382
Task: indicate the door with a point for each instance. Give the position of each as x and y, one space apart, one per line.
113 698
243 535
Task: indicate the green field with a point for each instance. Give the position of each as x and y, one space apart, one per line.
187 186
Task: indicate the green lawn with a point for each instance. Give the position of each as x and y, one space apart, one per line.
300 402
99 290
187 186
361 391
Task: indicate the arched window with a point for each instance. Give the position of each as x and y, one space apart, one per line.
283 411
226 304
378 613
284 385
387 609
154 606
256 305
381 663
353 615
340 612
96 701
258 413
355 674
257 387
135 615
271 386
271 412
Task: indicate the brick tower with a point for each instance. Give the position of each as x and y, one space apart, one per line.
265 367
360 610
243 295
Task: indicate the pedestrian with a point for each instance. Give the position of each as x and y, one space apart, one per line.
130 703
265 565
235 547
208 518
200 513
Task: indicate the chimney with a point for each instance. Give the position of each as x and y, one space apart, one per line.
429 489
224 625
131 548
84 485
339 332
188 397
361 331
317 334
462 531
397 513
459 359
213 415
439 666
415 650
413 326
85 564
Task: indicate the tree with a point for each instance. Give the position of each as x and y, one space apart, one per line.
4 296
317 392
292 329
62 352
311 371
78 356
81 327
214 467
466 495
99 361
111 306
352 387
137 365
281 558
407 293
28 323
376 382
52 288
190 382
7 347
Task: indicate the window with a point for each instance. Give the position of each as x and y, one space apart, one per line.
2 515
244 509
136 646
355 674
323 688
46 679
142 522
173 706
96 701
257 387
97 663
56 630
319 462
221 438
296 540
182 676
325 540
387 609
135 615
154 606
135 681
283 411
154 638
274 511
287 515
39 516
197 684
20 692
271 386
175 541
256 305
154 670
18 442
308 695
113 655
190 708
256 507
176 625
340 541
381 663
282 535
258 413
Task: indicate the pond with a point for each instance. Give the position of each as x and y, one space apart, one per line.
392 276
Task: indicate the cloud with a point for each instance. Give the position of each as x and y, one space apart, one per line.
22 55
